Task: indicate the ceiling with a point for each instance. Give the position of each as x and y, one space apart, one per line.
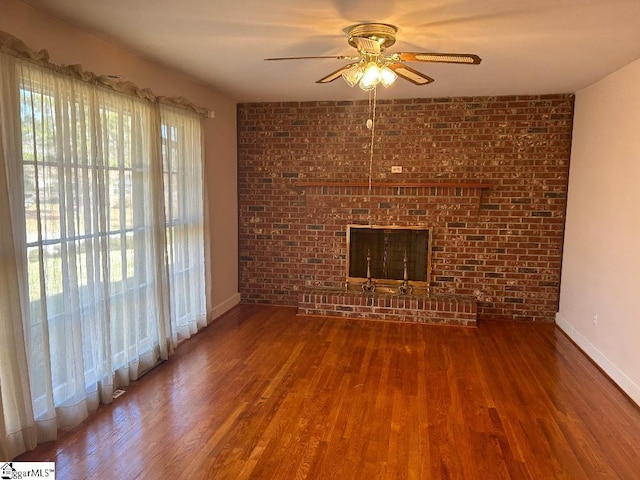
526 46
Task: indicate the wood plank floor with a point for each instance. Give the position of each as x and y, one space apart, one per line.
264 394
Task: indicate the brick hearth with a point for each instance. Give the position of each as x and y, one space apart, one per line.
440 309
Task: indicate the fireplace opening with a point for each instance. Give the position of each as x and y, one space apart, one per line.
389 257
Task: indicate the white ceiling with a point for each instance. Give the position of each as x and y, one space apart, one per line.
527 46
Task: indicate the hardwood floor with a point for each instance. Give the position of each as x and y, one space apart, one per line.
264 394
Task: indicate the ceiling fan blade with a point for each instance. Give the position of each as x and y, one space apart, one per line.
465 58
410 74
332 76
338 57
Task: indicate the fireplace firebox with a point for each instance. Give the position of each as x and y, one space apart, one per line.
389 258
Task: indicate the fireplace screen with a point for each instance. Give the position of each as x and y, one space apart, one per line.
391 255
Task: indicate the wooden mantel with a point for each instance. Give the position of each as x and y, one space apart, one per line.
394 184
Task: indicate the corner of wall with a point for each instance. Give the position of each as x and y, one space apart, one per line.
224 307
621 379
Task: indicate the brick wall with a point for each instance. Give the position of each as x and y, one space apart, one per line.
501 244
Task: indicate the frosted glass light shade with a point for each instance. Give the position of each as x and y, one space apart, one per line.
353 75
387 76
371 76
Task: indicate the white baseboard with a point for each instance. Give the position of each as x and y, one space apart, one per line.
627 385
224 306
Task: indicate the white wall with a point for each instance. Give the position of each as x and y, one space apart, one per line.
67 44
601 263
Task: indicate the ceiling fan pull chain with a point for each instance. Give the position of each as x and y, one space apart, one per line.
371 123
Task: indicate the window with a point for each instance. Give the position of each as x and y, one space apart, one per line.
114 236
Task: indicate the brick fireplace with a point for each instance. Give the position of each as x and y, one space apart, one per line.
487 176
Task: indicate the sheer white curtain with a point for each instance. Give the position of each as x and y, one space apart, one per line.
104 257
93 242
17 425
184 206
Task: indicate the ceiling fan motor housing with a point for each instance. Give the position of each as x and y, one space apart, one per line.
382 33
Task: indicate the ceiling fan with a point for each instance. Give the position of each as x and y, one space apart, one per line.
372 66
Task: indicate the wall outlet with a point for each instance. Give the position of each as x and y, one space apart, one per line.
396 169
595 319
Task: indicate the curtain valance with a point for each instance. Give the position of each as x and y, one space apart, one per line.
11 45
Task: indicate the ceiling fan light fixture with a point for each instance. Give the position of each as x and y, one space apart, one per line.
353 75
387 76
371 76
